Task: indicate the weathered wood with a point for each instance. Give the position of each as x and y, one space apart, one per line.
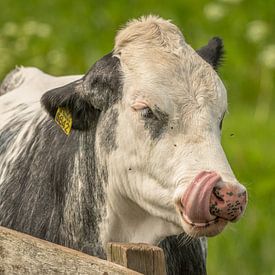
24 254
143 258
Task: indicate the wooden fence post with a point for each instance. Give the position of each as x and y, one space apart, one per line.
23 254
143 258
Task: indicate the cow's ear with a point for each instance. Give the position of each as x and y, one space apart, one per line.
88 96
213 52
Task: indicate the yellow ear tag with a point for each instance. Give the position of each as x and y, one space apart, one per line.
64 119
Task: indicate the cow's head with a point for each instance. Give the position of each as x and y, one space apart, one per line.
159 106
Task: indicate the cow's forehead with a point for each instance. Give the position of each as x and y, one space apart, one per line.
149 31
160 66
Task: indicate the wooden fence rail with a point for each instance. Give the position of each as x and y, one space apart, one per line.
23 254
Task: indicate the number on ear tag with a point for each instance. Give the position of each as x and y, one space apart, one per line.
64 119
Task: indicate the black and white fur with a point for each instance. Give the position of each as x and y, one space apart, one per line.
58 187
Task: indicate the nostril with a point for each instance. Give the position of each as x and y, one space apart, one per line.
218 194
242 197
242 194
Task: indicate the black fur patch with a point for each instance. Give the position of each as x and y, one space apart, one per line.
213 52
104 80
38 185
7 136
188 259
99 89
108 130
75 100
40 182
156 123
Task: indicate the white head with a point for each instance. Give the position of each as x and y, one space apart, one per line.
168 129
157 107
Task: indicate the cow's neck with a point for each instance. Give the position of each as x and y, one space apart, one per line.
127 222
85 207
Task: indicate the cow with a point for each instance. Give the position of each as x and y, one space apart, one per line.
129 152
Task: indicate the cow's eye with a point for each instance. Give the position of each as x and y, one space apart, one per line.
146 113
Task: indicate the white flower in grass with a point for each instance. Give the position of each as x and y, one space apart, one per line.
10 29
214 11
44 30
257 31
36 28
29 28
267 56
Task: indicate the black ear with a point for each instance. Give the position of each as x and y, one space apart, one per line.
213 52
88 96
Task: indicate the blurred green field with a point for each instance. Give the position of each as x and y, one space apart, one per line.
67 37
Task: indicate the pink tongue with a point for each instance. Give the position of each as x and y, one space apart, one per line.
196 200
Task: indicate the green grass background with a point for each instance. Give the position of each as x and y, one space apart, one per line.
67 37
